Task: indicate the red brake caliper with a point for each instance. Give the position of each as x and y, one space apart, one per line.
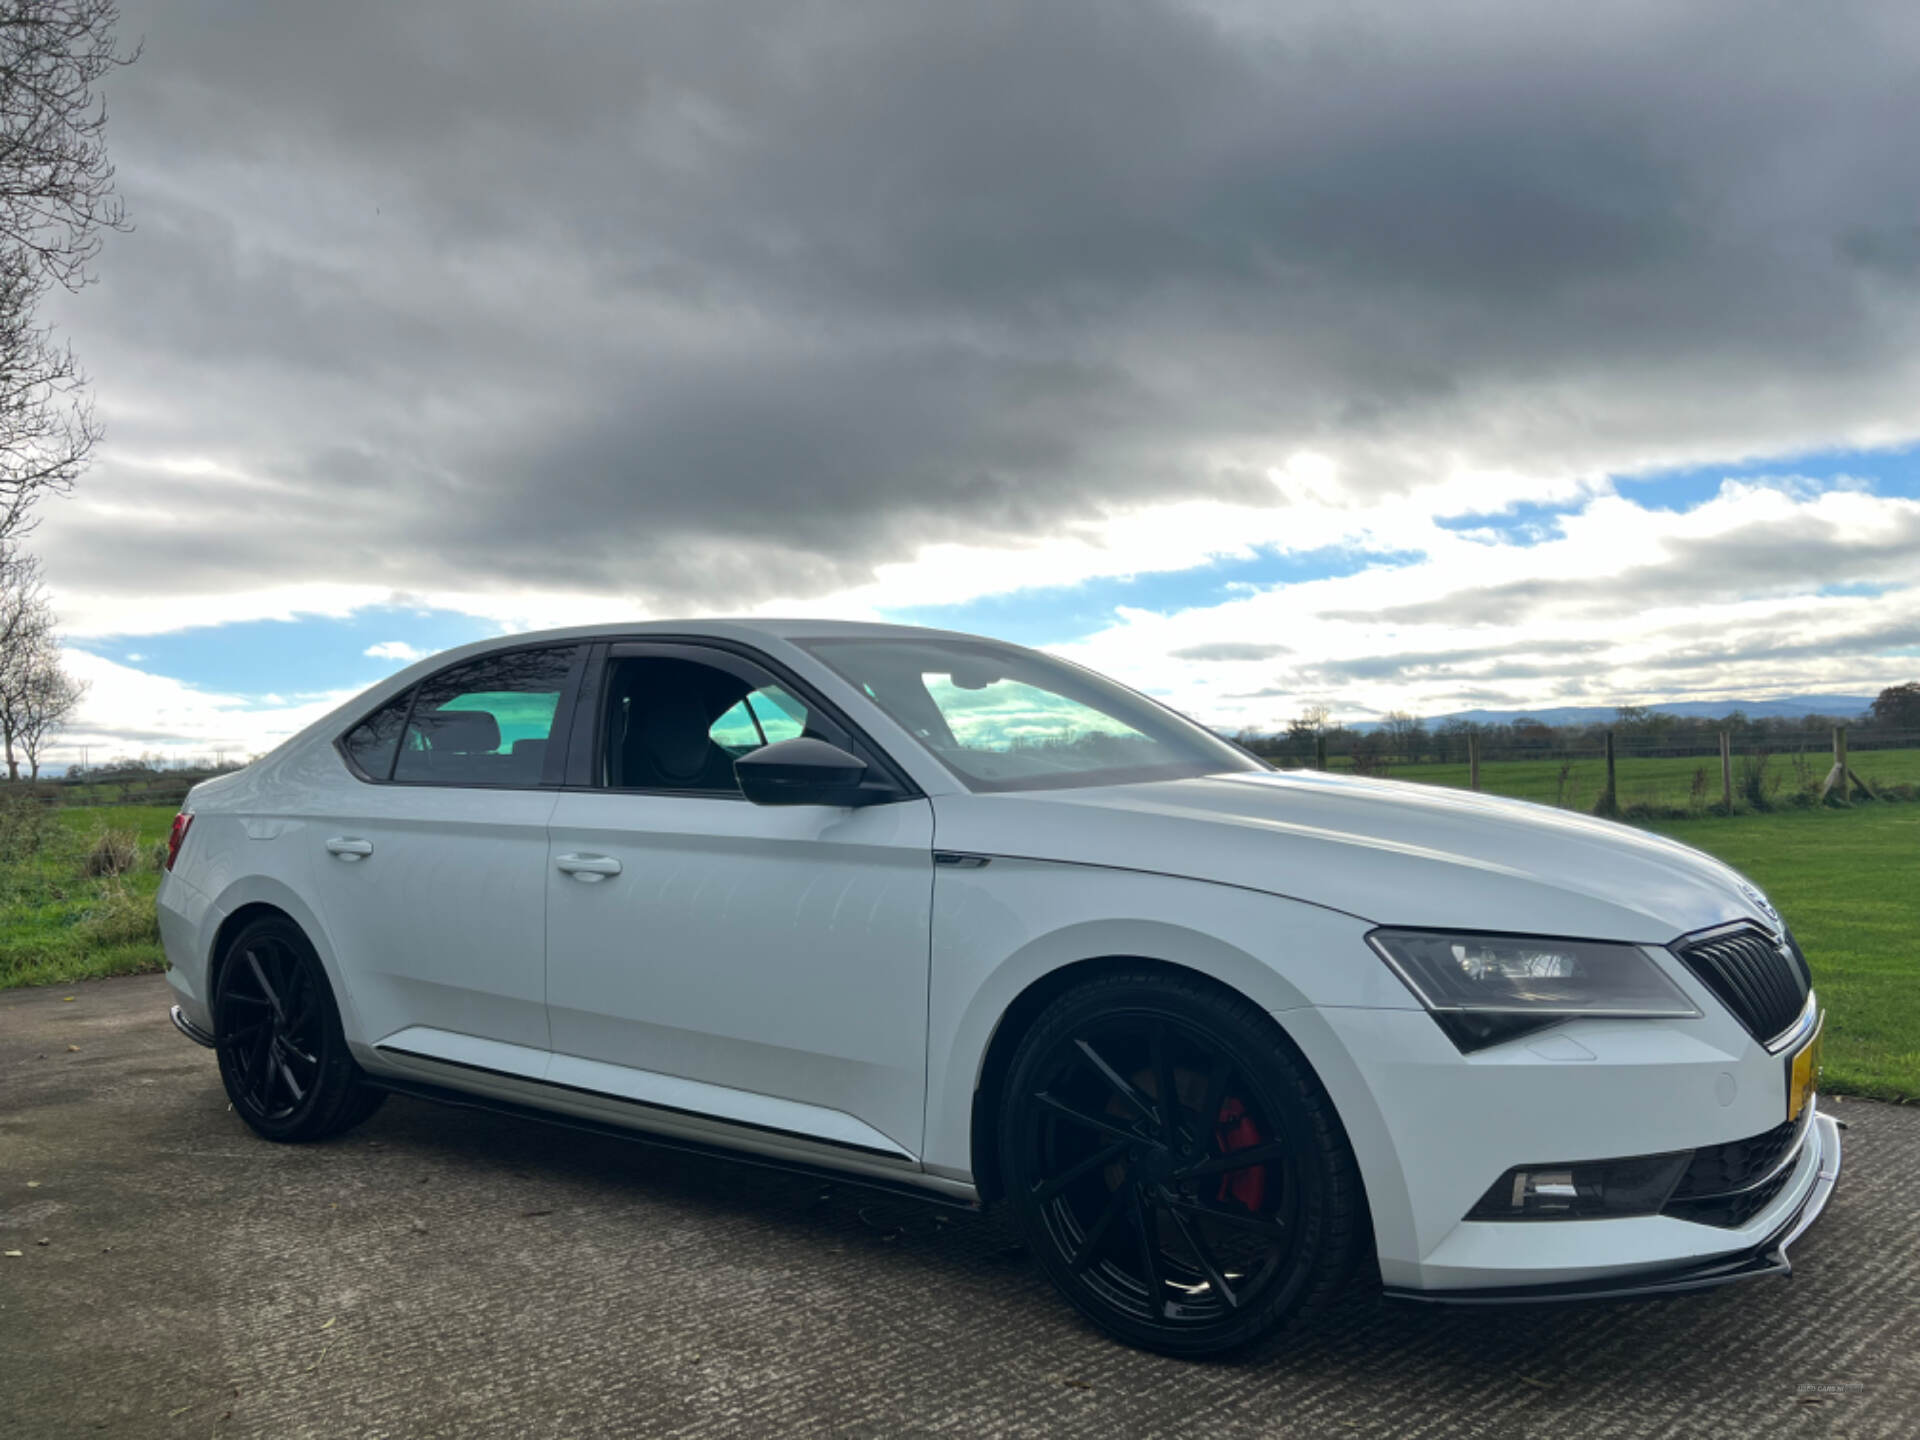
1235 1130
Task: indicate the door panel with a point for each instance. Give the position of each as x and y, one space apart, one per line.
776 950
441 922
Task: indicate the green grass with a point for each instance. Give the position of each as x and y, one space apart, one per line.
57 924
1848 882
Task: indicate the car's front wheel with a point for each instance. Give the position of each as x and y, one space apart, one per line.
283 1055
1176 1166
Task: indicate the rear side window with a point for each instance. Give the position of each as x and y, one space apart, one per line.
488 722
369 745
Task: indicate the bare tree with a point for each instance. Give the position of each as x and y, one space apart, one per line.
56 201
1407 734
26 639
49 699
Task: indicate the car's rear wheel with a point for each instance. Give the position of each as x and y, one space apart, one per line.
1188 1227
283 1056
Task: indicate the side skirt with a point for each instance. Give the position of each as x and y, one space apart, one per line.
645 1126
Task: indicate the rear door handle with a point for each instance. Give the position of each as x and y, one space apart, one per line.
344 848
589 869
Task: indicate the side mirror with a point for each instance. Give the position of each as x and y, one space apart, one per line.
803 771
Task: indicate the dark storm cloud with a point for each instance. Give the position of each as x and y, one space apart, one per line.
708 303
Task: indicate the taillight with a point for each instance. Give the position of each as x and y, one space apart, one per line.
176 836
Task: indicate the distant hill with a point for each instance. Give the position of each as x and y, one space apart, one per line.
1788 706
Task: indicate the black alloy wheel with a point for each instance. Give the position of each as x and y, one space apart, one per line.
1177 1168
283 1057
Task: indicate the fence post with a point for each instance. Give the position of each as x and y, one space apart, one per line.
1319 752
1609 801
1842 774
1473 760
1726 772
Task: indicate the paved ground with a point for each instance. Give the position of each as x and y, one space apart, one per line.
446 1273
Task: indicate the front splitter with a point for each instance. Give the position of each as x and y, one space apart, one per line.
1767 1258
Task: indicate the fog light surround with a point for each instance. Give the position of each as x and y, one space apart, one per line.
1584 1190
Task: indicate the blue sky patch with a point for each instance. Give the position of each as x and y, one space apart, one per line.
306 655
1527 523
1056 614
1890 472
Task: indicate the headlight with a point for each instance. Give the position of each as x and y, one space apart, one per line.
1483 989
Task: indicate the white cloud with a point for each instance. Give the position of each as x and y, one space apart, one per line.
395 650
130 712
1629 603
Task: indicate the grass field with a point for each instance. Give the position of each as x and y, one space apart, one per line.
1848 881
57 923
1665 783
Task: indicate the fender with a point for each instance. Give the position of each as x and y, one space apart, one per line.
266 890
1003 927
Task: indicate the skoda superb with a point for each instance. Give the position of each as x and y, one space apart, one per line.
951 916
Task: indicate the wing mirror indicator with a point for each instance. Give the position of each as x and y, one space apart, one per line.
805 771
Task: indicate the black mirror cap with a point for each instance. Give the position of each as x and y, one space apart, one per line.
805 771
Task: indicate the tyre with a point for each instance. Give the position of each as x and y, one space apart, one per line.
1193 1226
283 1056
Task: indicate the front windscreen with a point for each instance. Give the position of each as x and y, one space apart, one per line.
1003 718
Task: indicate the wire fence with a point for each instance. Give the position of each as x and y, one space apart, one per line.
1382 748
1644 775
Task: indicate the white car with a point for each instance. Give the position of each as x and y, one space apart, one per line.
947 915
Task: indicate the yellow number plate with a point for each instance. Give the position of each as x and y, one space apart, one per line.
1803 1072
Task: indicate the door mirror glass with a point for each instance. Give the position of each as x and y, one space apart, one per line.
803 771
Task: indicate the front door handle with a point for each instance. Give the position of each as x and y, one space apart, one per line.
343 848
589 869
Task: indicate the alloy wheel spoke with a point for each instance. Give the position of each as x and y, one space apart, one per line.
1207 1263
232 1038
273 997
293 1085
1238 1219
263 1073
1047 1189
1233 1160
1090 1241
1104 1124
1155 1277
1119 1083
1169 1096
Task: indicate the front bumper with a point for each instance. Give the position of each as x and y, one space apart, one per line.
1432 1129
1821 1154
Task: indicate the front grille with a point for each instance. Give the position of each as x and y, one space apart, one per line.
1754 975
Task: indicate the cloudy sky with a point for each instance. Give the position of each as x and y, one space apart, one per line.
1429 357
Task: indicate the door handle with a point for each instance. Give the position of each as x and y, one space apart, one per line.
589 869
342 848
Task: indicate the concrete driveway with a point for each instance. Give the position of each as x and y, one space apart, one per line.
444 1272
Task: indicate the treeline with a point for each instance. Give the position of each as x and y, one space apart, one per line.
151 765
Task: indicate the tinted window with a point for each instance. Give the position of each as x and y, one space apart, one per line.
370 743
488 722
1003 718
762 717
676 724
